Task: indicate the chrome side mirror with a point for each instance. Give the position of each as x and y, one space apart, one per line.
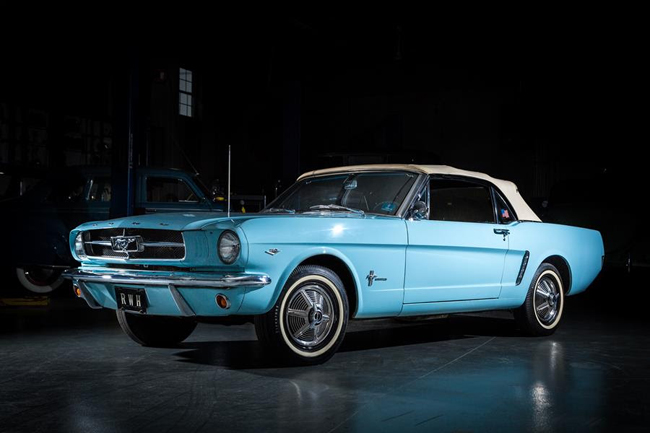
419 211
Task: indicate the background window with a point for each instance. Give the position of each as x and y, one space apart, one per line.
453 200
168 190
185 93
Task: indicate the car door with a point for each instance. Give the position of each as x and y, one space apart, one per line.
172 194
458 251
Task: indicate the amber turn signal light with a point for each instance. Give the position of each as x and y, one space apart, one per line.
222 301
77 290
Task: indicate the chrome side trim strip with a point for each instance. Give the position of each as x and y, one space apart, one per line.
522 269
116 276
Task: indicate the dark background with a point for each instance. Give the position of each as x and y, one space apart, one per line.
549 100
532 106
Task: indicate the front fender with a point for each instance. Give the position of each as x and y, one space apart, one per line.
362 244
280 267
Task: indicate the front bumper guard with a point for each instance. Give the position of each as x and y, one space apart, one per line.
80 277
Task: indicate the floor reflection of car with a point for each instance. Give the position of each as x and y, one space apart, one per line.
609 203
41 219
543 386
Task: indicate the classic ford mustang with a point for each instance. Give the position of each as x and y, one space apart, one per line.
344 243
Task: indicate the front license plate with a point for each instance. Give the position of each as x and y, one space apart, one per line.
131 299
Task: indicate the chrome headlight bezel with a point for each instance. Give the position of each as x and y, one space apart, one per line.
79 247
234 246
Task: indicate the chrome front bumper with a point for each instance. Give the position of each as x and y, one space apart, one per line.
171 280
155 278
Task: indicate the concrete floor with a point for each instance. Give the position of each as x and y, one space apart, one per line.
68 368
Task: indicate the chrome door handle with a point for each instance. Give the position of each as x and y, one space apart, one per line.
504 232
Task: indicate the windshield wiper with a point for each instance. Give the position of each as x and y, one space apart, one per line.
279 210
336 207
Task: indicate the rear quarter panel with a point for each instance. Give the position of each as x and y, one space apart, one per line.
582 249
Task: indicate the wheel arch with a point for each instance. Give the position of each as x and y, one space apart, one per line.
340 268
563 267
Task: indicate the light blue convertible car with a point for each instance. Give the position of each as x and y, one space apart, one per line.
344 243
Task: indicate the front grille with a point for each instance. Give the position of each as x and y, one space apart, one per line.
156 244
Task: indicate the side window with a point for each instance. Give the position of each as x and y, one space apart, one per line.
100 190
169 190
456 200
504 212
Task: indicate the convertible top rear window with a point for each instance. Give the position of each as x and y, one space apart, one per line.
372 192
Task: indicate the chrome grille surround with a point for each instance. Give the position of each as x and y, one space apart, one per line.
153 244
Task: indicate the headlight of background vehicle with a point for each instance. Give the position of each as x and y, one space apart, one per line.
229 247
79 247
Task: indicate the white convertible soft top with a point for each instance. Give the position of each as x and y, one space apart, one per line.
509 189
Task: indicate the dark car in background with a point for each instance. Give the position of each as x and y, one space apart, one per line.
37 224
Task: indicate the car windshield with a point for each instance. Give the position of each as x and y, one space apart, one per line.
374 192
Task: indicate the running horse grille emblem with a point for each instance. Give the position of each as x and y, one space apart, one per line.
127 244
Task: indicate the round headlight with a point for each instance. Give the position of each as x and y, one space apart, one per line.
229 247
79 247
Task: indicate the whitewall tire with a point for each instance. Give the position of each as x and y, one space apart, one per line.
542 310
307 324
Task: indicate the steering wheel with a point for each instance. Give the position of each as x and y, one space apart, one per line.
390 206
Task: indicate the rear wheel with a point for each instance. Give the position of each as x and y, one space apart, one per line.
156 331
39 279
542 310
308 322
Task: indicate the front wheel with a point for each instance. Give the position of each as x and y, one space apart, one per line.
38 279
308 322
156 331
542 310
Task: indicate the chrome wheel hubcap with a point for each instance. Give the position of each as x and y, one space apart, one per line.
547 300
309 315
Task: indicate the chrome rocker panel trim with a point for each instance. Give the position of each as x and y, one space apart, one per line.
115 276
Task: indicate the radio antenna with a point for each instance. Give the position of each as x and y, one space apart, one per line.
228 181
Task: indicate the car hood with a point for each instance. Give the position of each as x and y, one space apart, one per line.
198 221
